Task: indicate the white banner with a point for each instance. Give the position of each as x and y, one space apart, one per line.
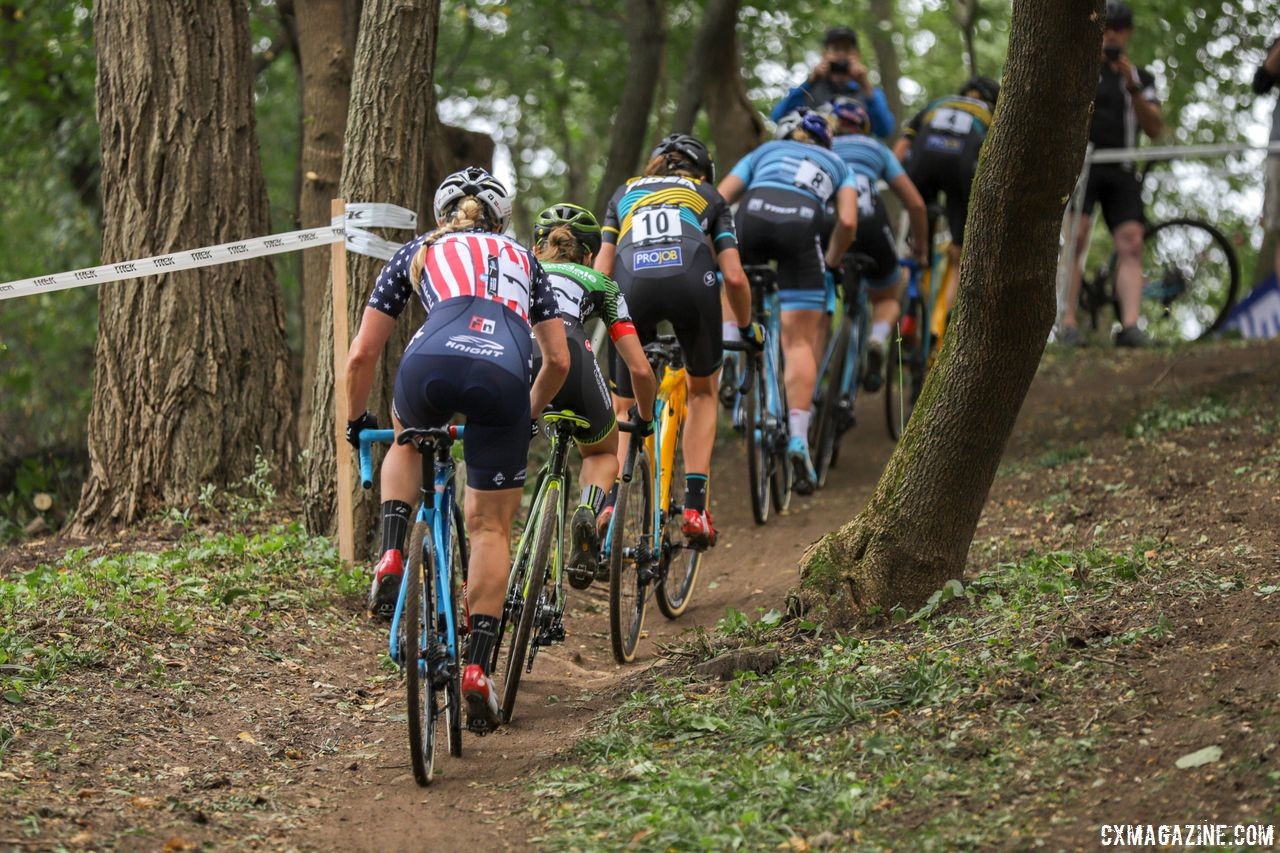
373 215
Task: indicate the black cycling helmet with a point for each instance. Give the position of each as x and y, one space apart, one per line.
988 89
580 221
1119 16
691 149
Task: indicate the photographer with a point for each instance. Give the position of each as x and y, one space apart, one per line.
840 73
1267 76
1126 101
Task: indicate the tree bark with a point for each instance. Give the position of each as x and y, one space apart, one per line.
887 65
388 148
645 38
915 533
736 125
717 20
326 93
192 372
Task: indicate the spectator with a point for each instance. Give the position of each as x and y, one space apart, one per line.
1125 101
840 73
1268 75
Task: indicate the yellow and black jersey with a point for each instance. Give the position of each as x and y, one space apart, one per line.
668 210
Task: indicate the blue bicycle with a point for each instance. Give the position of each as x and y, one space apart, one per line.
426 637
909 354
759 401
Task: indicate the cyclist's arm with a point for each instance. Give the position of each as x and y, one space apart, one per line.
732 187
609 231
603 262
882 123
644 385
738 290
846 225
914 204
555 363
375 330
796 98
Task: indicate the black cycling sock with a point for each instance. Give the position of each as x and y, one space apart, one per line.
395 525
695 492
483 636
593 496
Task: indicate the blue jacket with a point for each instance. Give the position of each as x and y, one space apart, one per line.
882 123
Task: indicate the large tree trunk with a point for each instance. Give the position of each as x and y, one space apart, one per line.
915 533
887 65
736 125
192 374
645 38
717 19
326 93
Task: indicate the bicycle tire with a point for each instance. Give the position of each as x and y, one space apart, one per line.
759 455
783 477
675 587
627 587
904 370
417 622
1197 305
823 436
536 574
453 694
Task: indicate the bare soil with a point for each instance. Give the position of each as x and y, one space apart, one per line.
297 740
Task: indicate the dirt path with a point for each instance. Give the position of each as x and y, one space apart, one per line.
474 797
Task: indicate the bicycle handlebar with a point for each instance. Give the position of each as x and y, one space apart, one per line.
370 437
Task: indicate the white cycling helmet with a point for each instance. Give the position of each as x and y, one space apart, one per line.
479 183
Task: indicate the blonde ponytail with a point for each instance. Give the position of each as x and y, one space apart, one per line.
561 245
468 213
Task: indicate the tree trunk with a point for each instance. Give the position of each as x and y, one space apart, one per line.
396 151
736 125
915 533
326 93
645 39
967 18
887 65
192 371
717 20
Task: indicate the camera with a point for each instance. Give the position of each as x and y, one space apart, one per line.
1112 52
839 66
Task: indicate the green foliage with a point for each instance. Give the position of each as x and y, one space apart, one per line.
137 608
851 737
1164 416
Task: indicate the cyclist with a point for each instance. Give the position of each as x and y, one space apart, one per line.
663 232
871 161
785 185
566 239
482 292
940 151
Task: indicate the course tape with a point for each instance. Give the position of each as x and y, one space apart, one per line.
371 214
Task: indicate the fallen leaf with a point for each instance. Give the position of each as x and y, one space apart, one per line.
247 738
1208 755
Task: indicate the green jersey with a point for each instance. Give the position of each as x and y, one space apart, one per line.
583 293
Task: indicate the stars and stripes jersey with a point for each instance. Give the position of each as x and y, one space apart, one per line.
583 293
954 115
654 211
466 263
796 166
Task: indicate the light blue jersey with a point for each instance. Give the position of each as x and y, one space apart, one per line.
796 166
867 158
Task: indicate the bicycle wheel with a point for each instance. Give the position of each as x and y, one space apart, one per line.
759 455
679 571
629 548
783 477
531 600
1192 278
905 368
458 577
823 427
418 624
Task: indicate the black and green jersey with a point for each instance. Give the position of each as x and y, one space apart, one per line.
583 293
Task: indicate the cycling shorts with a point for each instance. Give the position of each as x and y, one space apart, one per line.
944 164
688 297
784 226
875 240
1119 190
583 391
471 358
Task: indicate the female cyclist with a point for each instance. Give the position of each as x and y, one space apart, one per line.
482 291
566 239
785 186
663 234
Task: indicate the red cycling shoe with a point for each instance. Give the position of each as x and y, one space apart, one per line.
386 585
698 529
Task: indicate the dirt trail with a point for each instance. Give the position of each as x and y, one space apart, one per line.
474 797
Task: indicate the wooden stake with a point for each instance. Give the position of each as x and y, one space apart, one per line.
341 343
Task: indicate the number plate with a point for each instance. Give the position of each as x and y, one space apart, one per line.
656 225
811 177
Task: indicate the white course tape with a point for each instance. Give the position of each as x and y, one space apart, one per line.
361 241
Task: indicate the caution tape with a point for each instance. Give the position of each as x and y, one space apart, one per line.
371 214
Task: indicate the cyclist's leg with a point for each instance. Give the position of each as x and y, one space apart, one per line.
1122 208
1074 275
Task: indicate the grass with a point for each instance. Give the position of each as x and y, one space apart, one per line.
940 731
138 608
1165 417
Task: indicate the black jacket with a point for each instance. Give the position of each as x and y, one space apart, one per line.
1263 80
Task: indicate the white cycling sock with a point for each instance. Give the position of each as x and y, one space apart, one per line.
729 332
880 332
798 419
